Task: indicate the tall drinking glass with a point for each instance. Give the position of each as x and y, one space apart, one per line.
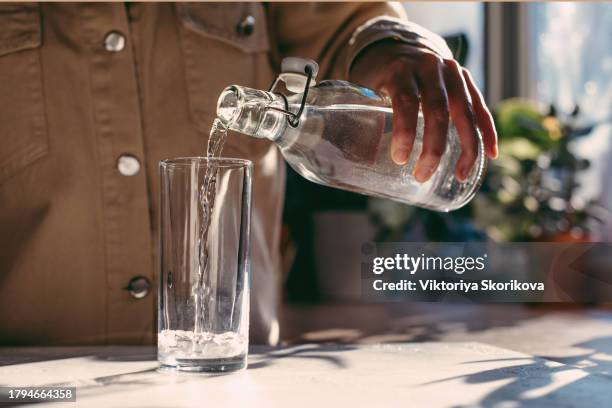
203 311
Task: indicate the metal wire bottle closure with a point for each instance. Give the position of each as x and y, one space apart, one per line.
292 118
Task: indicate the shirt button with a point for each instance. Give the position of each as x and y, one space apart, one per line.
114 41
139 287
246 27
128 165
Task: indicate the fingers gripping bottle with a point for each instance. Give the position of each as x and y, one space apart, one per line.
338 134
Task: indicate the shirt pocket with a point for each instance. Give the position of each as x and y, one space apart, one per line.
222 44
23 133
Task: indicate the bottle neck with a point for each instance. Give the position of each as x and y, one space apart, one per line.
248 111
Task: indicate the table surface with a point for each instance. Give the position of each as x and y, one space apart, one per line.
394 355
429 374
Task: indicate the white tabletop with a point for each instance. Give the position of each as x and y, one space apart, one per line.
404 374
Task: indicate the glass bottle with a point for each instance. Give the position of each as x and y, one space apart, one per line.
342 140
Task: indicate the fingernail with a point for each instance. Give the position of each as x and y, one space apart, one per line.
423 172
494 153
400 155
463 173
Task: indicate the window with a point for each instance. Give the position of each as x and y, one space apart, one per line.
571 64
450 18
572 56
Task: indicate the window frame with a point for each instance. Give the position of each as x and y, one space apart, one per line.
508 71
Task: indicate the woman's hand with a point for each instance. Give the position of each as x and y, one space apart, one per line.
410 74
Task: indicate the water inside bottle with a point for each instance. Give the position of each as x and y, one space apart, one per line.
349 147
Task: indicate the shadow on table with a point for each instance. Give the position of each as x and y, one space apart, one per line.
413 322
267 356
264 357
597 360
581 380
433 322
103 384
97 385
127 354
12 356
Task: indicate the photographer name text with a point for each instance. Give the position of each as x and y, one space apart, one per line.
434 285
458 265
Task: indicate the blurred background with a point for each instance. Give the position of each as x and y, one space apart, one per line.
546 71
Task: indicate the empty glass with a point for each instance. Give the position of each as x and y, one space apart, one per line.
203 311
